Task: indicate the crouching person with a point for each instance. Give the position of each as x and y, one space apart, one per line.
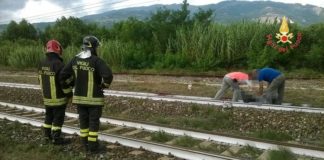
91 76
233 80
275 84
54 96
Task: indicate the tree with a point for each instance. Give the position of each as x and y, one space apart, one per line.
68 31
181 17
132 30
23 30
11 32
27 30
203 17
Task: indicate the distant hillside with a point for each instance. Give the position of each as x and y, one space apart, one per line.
230 11
224 12
39 26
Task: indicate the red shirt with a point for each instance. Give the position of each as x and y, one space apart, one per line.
241 77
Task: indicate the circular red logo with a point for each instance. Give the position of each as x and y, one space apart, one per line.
284 38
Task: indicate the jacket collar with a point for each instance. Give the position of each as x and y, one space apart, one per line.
53 55
84 54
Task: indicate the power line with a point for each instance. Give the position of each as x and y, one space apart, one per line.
68 10
78 10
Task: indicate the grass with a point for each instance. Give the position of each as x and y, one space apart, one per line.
214 122
166 88
19 141
187 142
161 137
299 97
162 120
208 124
273 135
209 120
282 154
322 141
249 152
172 72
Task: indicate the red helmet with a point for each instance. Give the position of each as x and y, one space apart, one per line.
54 46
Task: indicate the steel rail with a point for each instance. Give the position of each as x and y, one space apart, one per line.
130 142
184 83
233 140
188 99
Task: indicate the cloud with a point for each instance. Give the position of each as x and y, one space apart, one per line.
8 7
65 3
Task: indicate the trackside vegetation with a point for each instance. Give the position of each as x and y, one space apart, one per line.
170 39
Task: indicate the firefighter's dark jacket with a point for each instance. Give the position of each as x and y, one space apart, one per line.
90 75
48 76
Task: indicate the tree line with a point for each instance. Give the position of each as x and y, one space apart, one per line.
169 39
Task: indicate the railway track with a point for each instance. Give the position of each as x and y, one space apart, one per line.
231 142
35 118
210 82
188 99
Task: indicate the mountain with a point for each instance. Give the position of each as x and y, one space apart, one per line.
224 12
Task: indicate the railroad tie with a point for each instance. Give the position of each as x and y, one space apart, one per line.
132 132
148 138
264 155
205 144
72 120
165 158
172 141
113 129
231 151
136 152
33 114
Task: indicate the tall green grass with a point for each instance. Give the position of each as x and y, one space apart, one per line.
197 47
70 52
26 56
5 51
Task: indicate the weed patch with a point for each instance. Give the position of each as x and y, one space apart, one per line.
187 142
249 152
161 137
273 135
282 154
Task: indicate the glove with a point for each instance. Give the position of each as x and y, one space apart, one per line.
105 85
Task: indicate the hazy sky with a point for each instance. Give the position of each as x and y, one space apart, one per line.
50 10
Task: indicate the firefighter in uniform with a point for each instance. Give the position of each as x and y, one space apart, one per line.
91 76
54 96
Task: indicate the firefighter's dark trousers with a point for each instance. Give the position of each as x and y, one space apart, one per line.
54 119
89 117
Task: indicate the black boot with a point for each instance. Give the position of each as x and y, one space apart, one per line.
97 148
57 139
47 135
84 142
93 147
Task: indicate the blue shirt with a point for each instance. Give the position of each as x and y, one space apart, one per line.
268 74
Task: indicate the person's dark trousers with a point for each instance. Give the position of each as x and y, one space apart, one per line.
54 119
89 117
275 92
